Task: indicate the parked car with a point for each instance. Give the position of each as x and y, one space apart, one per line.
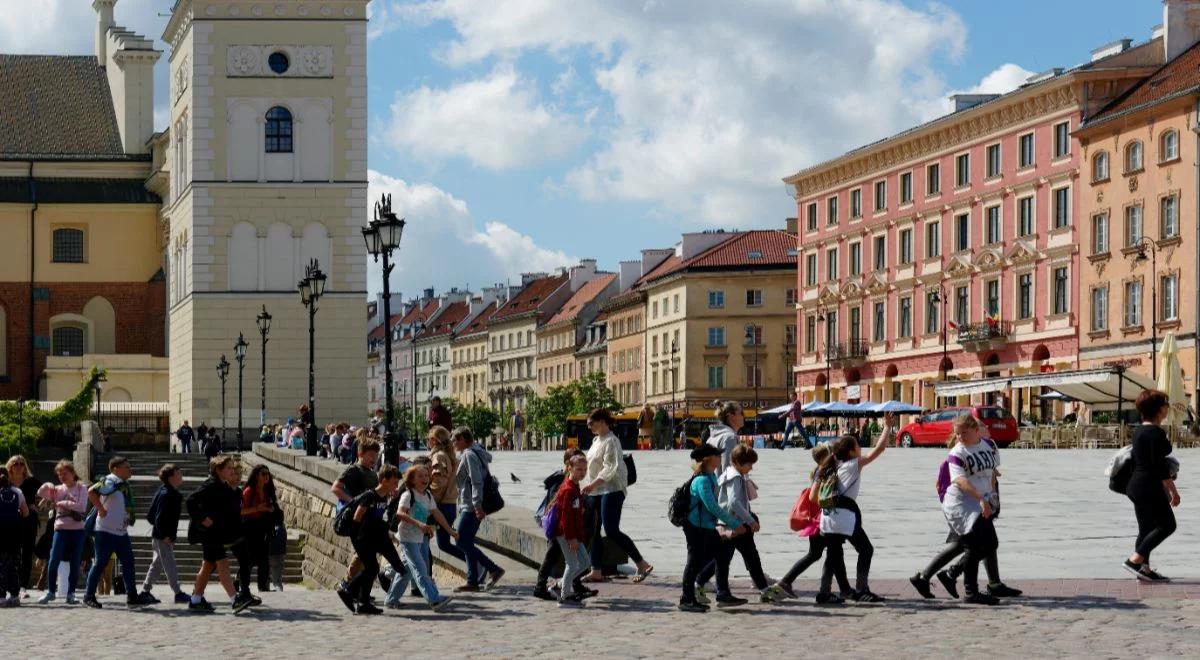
933 429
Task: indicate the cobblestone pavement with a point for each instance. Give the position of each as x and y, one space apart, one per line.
1067 618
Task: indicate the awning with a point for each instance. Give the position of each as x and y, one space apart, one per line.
1099 389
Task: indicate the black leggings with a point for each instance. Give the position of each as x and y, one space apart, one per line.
816 547
981 544
835 563
368 551
254 556
745 546
1156 520
28 531
702 546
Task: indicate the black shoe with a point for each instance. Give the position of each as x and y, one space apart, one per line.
544 594
949 583
148 598
1153 575
730 601
493 578
980 599
467 589
919 583
241 602
829 599
367 608
140 600
1003 591
347 599
1136 569
867 596
202 606
692 607
91 602
584 594
255 601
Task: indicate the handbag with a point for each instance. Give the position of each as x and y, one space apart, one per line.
630 470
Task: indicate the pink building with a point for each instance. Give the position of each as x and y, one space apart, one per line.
951 250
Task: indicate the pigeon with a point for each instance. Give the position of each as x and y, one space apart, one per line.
514 478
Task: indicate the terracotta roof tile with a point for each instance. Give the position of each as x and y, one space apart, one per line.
1178 76
530 298
446 322
480 322
747 249
668 266
581 298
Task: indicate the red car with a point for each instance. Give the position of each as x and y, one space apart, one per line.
934 429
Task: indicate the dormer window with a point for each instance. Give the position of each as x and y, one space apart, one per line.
754 254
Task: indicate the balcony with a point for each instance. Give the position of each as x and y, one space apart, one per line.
850 354
984 336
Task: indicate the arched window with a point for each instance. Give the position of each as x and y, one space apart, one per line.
1100 166
68 246
279 131
70 340
1133 157
1168 146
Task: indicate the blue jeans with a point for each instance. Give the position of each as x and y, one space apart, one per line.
106 545
68 544
576 564
444 542
413 555
478 564
787 431
608 514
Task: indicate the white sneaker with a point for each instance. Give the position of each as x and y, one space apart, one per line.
47 597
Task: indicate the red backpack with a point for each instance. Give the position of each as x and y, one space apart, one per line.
806 515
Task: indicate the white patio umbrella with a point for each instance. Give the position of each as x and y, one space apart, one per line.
1170 379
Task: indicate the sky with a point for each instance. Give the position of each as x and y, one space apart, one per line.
522 135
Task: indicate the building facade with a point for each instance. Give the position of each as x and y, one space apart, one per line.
432 346
469 357
624 316
563 334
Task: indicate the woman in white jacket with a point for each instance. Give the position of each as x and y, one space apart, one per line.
605 485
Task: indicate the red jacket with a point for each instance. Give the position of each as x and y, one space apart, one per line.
569 502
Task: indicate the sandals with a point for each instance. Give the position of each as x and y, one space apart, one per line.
642 575
595 580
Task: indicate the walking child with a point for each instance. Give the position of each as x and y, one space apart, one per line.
370 540
164 515
554 553
571 534
417 506
215 510
816 542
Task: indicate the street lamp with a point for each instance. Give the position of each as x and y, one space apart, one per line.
264 326
674 385
938 295
823 319
1142 244
752 340
100 379
382 237
239 354
311 288
223 373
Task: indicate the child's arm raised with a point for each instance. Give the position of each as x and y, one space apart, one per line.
885 437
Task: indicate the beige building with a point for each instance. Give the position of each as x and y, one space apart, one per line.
469 358
624 317
563 334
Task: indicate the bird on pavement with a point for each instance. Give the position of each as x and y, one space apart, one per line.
514 478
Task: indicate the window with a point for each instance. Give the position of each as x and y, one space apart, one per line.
1025 151
810 333
789 298
1169 146
878 330
993 297
880 195
1100 167
906 188
993 161
1169 225
68 246
1060 290
1025 296
278 62
812 216
1170 298
654 345
1133 225
962 231
992 227
654 309
1133 304
906 247
754 334
933 239
1100 233
1100 308
933 179
810 270
855 323
1133 157
1062 139
675 303
856 203
962 313
855 258
716 376
789 334
753 297
1062 207
753 375
716 336
716 299
905 329
831 211
880 252
1025 216
962 170
279 131
831 264
931 312
831 328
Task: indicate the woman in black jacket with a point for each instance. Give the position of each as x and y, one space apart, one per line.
1151 486
215 510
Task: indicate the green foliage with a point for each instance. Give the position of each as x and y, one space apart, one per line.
476 416
20 430
548 414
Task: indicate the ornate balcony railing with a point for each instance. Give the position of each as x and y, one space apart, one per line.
985 335
849 354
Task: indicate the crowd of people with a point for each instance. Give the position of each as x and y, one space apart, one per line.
396 511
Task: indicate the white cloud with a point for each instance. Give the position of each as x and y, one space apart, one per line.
496 122
1002 80
443 247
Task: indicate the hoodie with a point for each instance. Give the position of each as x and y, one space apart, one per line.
724 438
733 496
472 470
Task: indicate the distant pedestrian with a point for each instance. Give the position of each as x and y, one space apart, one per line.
646 425
163 515
518 429
69 501
438 414
606 483
1151 488
793 416
213 446
185 435
13 511
22 479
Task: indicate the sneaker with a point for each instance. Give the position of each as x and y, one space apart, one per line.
948 583
148 598
919 583
467 589
829 599
493 578
730 601
587 593
771 594
347 599
182 599
867 596
278 586
980 599
571 602
255 601
544 594
1003 591
702 595
91 602
71 600
5 603
140 600
1153 575
15 601
203 606
47 597
785 589
241 602
1136 569
442 604
692 607
367 608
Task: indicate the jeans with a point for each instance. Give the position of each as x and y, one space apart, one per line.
608 513
702 547
787 431
444 542
67 544
257 543
413 555
368 551
576 565
1155 520
164 559
478 564
185 446
554 553
106 545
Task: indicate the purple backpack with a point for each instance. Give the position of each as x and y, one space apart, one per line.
943 478
550 521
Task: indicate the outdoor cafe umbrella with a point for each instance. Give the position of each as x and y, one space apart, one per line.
899 408
1170 379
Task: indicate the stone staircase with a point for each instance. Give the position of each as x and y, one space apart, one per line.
145 484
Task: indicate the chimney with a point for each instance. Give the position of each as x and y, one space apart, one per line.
128 59
427 295
1114 48
1181 21
968 101
583 273
104 20
791 225
629 272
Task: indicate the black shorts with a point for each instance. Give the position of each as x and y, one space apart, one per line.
213 551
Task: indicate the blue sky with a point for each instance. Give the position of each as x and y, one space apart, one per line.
518 135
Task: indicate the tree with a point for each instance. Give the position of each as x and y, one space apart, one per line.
548 414
476 416
20 430
591 392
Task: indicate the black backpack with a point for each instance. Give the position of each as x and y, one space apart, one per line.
492 501
343 522
680 504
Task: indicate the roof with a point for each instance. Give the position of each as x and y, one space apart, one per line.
377 331
445 322
530 299
1179 77
420 312
480 322
754 249
586 294
75 191
57 107
668 265
612 306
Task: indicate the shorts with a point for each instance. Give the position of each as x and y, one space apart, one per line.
214 551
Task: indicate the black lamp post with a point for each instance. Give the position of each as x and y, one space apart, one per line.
311 288
264 326
223 373
239 354
823 319
382 237
100 380
674 385
752 340
938 295
1143 244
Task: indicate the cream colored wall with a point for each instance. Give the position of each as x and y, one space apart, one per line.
620 381
476 370
666 323
144 377
120 242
